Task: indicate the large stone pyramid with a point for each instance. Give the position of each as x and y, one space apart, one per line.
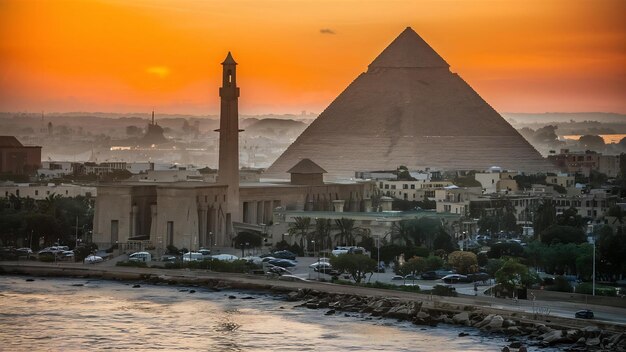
409 109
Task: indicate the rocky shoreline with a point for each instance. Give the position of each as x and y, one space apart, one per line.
590 338
521 331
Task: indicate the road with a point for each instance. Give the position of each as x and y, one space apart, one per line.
550 308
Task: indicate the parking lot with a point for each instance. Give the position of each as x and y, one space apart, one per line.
302 270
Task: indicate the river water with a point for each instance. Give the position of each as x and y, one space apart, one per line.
86 315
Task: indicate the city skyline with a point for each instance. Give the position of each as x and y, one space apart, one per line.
114 56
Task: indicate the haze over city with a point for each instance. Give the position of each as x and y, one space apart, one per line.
133 56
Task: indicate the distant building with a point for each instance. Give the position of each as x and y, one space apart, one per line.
41 191
497 181
18 159
584 162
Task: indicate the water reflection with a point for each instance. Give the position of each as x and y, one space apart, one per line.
54 315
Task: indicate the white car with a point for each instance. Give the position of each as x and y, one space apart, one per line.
193 257
291 278
225 257
319 264
92 259
140 257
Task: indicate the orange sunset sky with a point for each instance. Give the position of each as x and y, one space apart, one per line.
294 55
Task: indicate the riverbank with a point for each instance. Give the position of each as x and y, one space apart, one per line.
541 329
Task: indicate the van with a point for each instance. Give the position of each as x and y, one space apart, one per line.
140 257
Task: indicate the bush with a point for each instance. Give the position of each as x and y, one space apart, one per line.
172 249
132 264
81 252
440 290
560 285
587 288
237 266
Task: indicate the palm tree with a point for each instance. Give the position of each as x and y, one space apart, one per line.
300 228
49 204
321 234
403 230
348 232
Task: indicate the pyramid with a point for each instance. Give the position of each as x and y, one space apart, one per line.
409 109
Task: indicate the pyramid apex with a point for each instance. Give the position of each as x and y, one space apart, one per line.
229 60
409 50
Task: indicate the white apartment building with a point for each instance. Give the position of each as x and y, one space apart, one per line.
41 191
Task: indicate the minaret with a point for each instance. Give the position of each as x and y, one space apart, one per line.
228 168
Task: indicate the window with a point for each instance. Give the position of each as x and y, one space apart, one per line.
170 233
114 231
36 192
412 186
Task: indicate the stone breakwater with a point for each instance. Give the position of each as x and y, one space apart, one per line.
520 331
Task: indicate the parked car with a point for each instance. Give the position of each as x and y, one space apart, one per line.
455 278
283 263
277 270
380 268
324 269
92 259
225 257
478 277
193 257
584 314
24 252
291 278
169 258
429 275
140 257
319 264
205 252
397 278
284 255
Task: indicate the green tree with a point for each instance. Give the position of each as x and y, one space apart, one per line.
356 265
509 249
413 266
433 263
545 217
443 241
513 274
611 247
571 218
562 234
463 262
592 142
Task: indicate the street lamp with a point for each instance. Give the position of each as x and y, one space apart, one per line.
592 239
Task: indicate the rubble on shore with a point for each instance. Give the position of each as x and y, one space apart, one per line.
590 338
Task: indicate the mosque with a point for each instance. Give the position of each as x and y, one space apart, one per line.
200 214
407 109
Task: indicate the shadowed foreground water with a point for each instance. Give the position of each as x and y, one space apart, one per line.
81 314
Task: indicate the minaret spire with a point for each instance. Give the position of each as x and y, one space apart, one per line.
228 169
